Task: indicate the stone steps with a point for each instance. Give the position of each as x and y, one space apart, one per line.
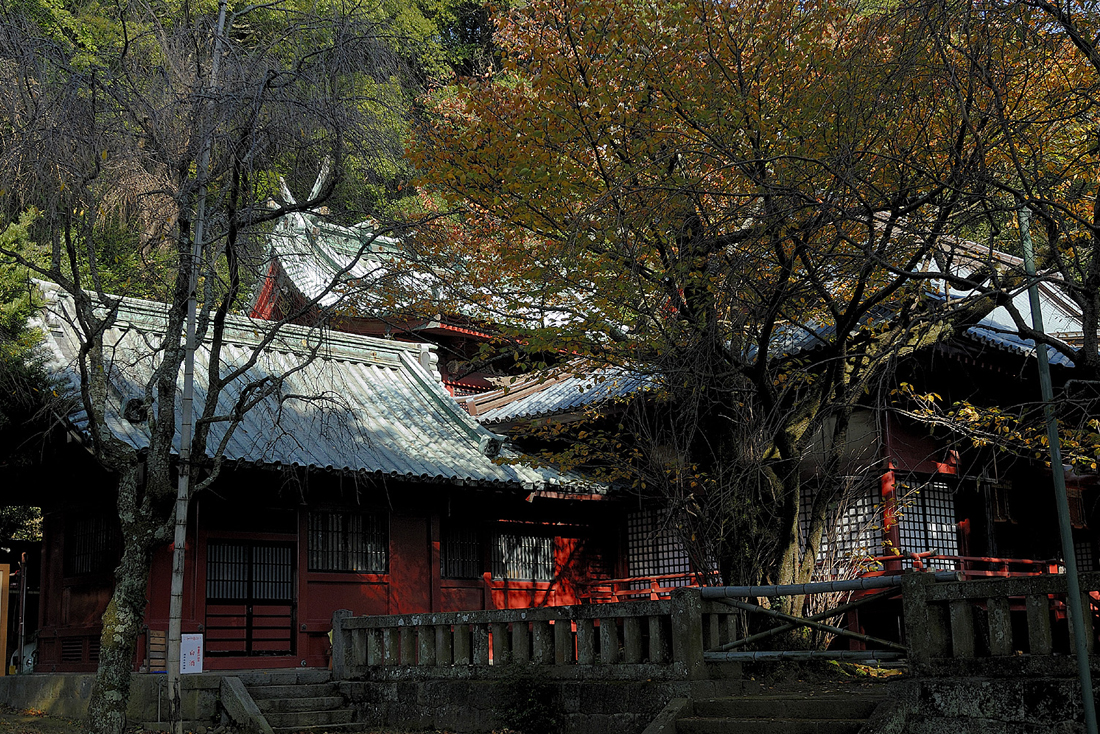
321 728
300 701
299 719
280 692
311 703
725 725
779 714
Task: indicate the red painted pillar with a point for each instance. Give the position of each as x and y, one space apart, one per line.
890 532
436 561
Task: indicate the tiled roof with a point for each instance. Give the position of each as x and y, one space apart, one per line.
541 397
556 394
360 404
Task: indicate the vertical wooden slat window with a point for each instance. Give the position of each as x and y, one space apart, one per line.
227 571
91 544
523 558
460 552
272 573
348 541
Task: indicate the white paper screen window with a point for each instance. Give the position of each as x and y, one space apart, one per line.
928 521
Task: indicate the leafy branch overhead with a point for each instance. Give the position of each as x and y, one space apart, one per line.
764 207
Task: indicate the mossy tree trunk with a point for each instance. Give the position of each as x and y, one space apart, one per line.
143 528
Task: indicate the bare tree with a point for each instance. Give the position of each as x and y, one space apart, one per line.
180 127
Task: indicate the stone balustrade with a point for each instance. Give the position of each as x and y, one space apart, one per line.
1011 625
661 639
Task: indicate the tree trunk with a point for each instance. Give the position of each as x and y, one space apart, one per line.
125 615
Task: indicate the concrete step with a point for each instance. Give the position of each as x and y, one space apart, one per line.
290 677
274 692
319 728
766 707
729 725
303 719
314 703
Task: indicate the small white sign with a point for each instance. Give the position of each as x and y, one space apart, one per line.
190 653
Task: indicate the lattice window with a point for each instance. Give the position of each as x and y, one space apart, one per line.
91 544
1083 552
853 527
460 552
654 550
928 521
226 571
249 571
272 573
523 558
348 541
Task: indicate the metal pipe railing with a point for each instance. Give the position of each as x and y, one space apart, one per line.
817 587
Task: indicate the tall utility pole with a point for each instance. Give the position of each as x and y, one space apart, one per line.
1074 600
187 412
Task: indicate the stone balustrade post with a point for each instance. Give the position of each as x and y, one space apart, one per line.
926 631
341 644
687 632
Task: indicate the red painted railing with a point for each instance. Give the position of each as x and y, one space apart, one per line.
972 567
639 588
636 588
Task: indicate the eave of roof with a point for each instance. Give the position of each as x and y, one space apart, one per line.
348 403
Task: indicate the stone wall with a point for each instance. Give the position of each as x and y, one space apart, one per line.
974 705
66 695
520 702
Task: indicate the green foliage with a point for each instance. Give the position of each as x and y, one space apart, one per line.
26 387
20 523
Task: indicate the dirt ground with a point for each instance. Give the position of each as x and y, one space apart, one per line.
34 722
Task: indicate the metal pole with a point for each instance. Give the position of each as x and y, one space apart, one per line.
1073 602
183 491
819 587
888 594
807 622
744 657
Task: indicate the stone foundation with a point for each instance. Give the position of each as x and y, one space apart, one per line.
521 702
66 695
975 705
